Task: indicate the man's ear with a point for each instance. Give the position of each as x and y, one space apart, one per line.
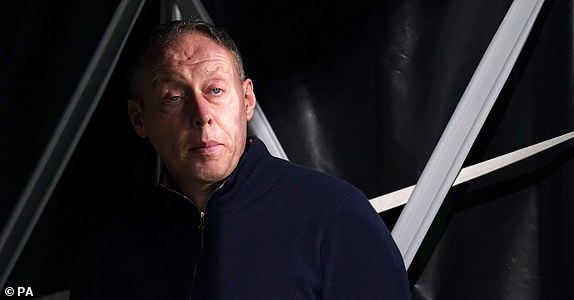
250 100
135 111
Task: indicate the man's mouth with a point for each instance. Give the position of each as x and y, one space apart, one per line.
206 148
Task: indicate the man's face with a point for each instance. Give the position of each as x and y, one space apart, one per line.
194 109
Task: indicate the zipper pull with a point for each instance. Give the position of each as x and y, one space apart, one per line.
201 220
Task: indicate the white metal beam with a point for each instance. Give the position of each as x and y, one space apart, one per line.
463 127
66 136
400 197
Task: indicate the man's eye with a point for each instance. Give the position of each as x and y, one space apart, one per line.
216 91
174 99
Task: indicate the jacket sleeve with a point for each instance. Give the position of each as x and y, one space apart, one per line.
360 260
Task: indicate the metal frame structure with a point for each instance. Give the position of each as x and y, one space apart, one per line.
65 138
400 197
463 127
424 202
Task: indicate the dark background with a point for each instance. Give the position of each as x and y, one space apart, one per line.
358 89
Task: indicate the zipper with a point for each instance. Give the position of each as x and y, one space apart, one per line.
201 227
201 220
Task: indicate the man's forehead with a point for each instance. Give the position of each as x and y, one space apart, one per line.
190 49
194 48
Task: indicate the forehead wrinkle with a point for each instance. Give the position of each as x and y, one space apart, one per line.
188 46
169 72
183 53
197 44
190 56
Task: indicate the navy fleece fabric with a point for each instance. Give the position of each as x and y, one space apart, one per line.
274 230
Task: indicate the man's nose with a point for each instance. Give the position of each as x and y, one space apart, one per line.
202 115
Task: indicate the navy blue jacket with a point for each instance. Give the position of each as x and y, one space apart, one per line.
274 230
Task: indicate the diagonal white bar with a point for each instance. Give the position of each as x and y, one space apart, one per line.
74 120
463 127
400 197
259 125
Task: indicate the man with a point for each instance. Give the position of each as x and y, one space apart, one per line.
229 221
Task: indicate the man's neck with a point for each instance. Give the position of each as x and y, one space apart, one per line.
198 194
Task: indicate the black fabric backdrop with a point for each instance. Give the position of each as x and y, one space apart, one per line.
358 89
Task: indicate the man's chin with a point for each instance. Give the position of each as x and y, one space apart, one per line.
211 176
